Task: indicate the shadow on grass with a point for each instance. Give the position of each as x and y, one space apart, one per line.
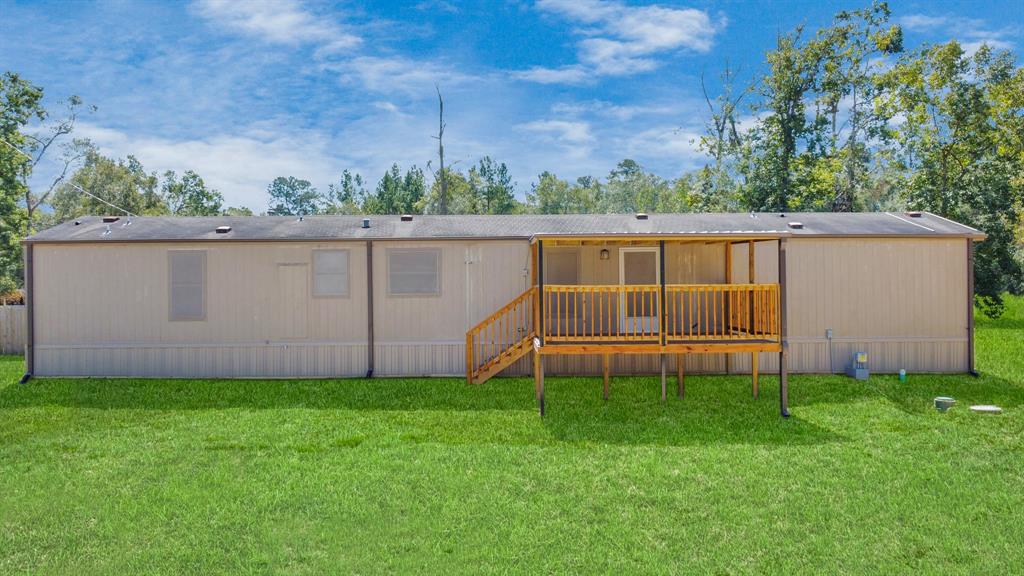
716 410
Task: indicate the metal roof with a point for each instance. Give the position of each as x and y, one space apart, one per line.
313 228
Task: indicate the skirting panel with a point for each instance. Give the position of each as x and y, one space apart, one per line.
323 360
216 361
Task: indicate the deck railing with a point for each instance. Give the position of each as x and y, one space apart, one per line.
500 338
636 313
714 312
599 313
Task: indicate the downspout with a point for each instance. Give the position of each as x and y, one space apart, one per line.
369 308
970 308
30 356
784 352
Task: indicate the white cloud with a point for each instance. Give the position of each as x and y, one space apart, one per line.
573 137
621 40
240 165
975 31
397 74
681 145
619 112
278 22
564 75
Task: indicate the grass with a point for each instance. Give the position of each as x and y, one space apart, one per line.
410 476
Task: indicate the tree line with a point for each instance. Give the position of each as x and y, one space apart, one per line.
842 118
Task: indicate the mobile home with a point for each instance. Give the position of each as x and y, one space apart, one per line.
476 296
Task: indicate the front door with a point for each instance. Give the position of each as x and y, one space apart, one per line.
638 310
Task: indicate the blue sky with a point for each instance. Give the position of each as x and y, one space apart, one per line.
242 92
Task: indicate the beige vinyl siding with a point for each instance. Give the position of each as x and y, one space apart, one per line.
903 301
426 335
103 309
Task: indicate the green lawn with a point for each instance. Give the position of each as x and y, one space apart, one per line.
402 476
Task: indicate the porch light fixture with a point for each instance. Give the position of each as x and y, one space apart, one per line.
605 254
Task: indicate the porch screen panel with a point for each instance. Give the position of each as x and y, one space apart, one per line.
563 267
640 268
187 272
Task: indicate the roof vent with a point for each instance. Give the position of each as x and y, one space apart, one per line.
110 219
641 216
782 214
366 222
223 229
914 214
796 225
77 222
406 217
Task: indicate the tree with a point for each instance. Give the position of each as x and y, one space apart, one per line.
492 185
630 189
292 196
190 196
442 174
22 102
112 186
960 149
461 198
347 196
550 195
397 194
237 211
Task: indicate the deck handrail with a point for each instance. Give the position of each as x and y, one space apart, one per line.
636 313
496 339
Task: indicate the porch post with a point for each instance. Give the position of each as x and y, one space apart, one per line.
538 342
661 313
784 353
540 290
605 361
727 305
681 375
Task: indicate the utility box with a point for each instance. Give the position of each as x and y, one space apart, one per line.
858 367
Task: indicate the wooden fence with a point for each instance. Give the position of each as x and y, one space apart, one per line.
12 329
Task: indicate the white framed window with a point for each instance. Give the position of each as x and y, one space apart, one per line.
187 284
330 272
414 272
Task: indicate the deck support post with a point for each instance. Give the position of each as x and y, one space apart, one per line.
681 375
605 361
664 363
753 372
784 350
538 376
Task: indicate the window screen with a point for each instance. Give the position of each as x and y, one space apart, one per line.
562 267
330 272
188 284
414 272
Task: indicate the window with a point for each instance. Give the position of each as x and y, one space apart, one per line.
187 284
330 272
414 272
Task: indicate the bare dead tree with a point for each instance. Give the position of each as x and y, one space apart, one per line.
72 153
440 152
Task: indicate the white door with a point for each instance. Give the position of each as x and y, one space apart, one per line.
637 311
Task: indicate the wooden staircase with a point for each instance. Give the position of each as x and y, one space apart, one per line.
502 338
